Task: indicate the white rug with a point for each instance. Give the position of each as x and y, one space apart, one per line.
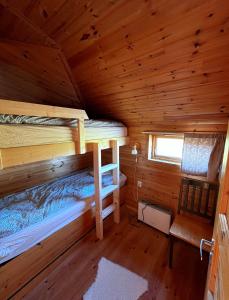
114 282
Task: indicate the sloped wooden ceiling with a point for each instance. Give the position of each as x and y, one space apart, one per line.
15 26
143 62
32 66
36 74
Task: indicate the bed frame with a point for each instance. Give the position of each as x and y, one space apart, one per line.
22 144
16 276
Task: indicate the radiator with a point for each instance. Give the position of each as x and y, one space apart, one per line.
154 216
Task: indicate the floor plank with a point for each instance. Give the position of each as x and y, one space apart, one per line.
133 245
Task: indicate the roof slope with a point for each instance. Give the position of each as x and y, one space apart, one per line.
142 62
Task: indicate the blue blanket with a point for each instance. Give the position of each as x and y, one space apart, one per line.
34 205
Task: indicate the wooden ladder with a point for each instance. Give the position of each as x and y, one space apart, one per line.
102 192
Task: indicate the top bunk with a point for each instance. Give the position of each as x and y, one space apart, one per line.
33 132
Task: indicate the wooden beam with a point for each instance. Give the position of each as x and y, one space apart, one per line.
1 163
116 199
181 133
71 77
14 136
10 157
95 133
81 137
106 143
98 189
38 110
24 155
28 135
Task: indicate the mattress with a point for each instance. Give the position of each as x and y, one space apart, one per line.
31 216
14 119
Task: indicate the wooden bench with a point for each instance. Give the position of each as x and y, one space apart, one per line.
196 212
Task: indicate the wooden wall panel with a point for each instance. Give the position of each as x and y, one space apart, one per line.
35 74
16 179
161 181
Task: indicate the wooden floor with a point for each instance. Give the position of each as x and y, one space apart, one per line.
133 245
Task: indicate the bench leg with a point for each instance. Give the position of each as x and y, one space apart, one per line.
171 242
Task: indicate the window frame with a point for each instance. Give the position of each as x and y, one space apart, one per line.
152 143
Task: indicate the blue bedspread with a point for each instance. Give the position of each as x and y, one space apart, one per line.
34 205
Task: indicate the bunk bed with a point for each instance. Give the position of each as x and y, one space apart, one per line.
30 216
58 132
32 133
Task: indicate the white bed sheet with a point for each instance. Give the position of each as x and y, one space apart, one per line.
21 241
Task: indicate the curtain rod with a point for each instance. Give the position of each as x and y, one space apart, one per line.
183 132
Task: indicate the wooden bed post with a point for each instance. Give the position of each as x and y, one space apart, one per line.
81 137
116 200
1 164
98 190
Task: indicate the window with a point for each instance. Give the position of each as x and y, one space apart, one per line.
166 148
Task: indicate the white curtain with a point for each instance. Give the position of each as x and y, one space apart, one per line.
202 154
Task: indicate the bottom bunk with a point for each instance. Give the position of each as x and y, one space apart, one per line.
32 215
43 222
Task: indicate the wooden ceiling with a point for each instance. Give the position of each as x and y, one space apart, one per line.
36 74
142 62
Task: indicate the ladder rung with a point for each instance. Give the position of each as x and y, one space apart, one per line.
108 190
107 211
108 167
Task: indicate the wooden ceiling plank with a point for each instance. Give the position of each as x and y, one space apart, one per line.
15 12
142 62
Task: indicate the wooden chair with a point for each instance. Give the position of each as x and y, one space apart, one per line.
196 212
